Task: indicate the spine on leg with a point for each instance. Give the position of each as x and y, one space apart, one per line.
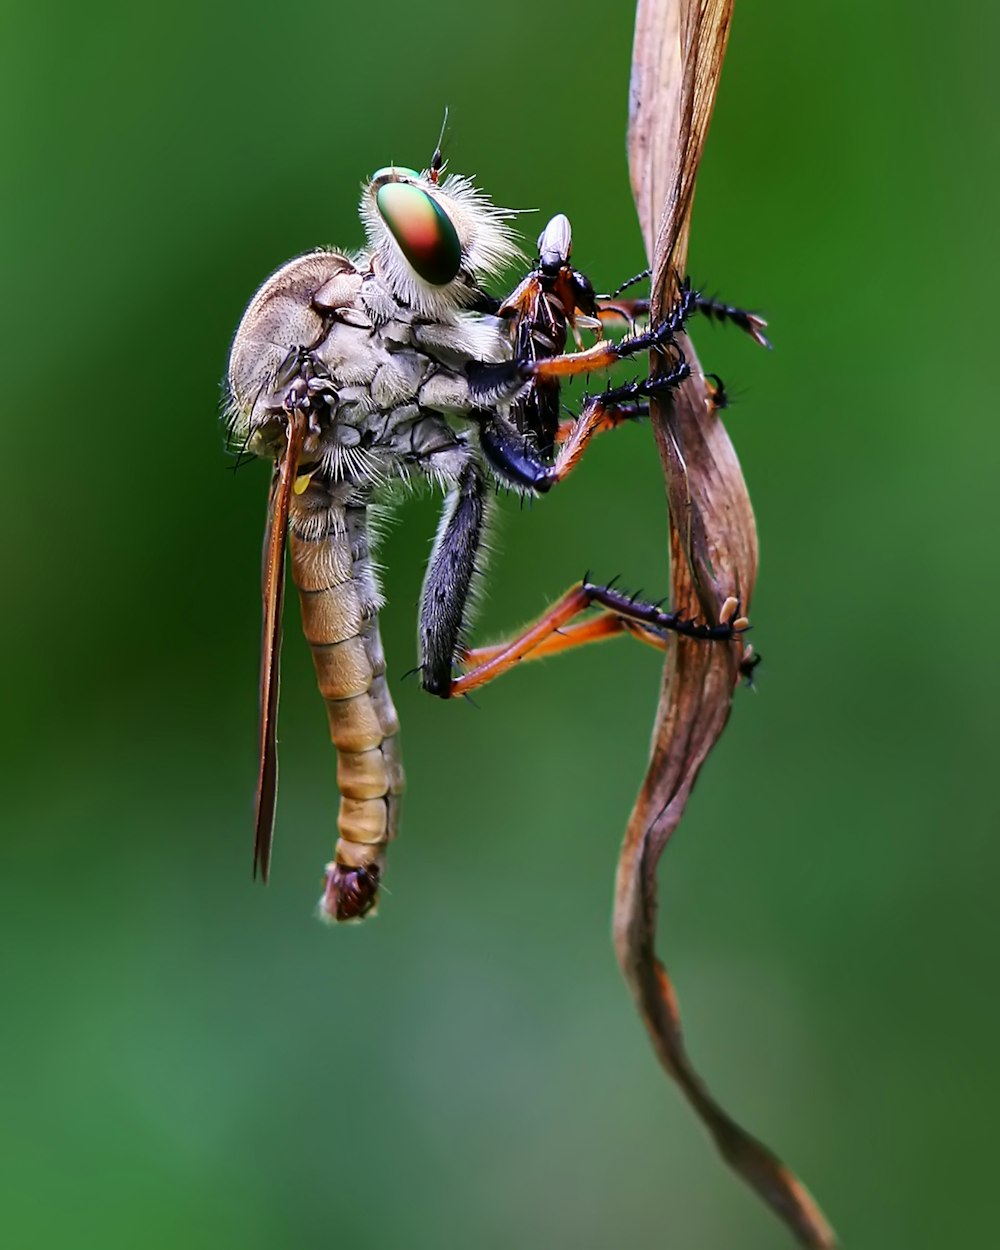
333 573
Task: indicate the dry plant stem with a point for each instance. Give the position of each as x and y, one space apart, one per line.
677 57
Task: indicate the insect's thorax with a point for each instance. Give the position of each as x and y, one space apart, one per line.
380 381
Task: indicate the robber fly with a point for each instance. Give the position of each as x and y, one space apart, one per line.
354 371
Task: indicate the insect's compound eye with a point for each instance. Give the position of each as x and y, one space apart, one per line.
421 227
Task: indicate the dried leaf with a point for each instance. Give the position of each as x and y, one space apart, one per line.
677 58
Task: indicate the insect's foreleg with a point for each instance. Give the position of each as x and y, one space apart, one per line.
749 322
450 574
613 311
607 353
549 634
490 382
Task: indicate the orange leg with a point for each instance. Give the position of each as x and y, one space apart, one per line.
607 625
573 602
597 417
611 419
599 628
622 614
607 353
601 356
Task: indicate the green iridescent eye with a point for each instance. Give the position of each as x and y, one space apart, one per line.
422 228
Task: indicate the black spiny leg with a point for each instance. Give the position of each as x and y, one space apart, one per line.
450 573
512 455
748 322
612 309
652 616
556 632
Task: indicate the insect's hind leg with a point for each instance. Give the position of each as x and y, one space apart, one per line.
597 629
451 573
549 635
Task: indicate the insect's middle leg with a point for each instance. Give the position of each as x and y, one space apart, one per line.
517 460
613 416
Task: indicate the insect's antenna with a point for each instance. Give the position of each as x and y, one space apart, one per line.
437 160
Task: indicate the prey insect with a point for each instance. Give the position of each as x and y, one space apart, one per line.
355 372
553 300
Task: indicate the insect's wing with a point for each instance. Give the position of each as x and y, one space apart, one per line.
273 591
520 304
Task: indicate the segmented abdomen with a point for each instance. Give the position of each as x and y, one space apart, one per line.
337 591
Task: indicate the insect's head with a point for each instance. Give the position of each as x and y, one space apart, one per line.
436 237
419 223
573 289
555 244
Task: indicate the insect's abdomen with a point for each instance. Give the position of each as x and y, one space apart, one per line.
339 617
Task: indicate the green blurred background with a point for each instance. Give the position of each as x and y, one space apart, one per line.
194 1061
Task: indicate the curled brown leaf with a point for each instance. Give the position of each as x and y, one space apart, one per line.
677 58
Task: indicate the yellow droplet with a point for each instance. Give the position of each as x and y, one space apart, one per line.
302 483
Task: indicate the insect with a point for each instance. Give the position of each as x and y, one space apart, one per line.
553 299
355 372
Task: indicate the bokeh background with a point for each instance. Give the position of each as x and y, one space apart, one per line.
194 1061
